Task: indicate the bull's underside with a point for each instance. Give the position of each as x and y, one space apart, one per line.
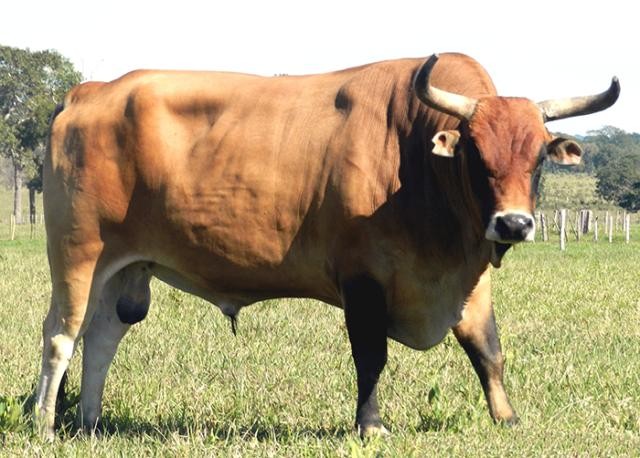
239 188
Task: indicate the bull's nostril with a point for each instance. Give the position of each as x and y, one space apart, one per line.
513 227
501 225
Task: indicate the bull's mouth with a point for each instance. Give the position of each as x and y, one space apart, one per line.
498 250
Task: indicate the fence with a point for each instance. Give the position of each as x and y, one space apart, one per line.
581 223
36 226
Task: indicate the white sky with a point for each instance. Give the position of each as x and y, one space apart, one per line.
537 48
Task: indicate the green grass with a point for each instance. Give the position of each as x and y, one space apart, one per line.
182 384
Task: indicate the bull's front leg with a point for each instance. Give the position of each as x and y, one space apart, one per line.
478 335
366 318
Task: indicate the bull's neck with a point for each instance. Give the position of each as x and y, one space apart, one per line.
435 198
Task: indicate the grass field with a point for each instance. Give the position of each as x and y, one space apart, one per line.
182 384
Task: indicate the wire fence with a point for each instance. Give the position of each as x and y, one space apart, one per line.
559 225
565 225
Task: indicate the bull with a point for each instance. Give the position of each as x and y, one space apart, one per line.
388 190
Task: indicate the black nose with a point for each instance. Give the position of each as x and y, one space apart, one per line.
514 227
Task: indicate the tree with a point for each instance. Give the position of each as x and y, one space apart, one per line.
617 166
31 84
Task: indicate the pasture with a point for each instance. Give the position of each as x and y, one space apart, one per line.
182 384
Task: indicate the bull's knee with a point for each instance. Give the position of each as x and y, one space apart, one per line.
61 348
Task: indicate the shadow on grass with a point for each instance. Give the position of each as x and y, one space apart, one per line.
19 418
16 415
222 430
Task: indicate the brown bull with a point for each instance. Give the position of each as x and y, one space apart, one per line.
386 190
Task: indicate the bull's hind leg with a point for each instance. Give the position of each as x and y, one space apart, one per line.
478 335
365 312
71 289
125 300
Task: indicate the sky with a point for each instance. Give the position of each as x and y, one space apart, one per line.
536 49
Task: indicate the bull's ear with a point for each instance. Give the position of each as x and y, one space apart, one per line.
564 151
444 142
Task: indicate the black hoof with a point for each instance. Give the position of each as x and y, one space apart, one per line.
372 431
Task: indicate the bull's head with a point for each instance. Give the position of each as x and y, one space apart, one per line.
509 142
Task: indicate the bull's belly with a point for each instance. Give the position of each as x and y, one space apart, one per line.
418 327
230 298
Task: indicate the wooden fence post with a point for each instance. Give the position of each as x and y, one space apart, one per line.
586 217
543 227
627 223
578 225
611 229
12 227
595 228
563 228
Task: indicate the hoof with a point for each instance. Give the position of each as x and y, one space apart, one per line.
509 422
46 433
93 429
44 425
372 431
48 436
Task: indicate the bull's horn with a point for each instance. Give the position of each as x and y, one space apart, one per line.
454 104
578 106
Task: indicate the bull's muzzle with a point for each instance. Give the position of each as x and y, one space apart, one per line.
511 227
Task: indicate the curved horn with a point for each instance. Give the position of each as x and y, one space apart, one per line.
578 106
454 104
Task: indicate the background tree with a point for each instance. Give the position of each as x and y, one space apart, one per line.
617 166
31 84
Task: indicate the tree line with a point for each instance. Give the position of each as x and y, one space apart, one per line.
32 83
613 157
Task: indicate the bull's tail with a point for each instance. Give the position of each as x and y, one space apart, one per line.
56 111
234 323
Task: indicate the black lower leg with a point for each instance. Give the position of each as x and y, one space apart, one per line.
366 319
